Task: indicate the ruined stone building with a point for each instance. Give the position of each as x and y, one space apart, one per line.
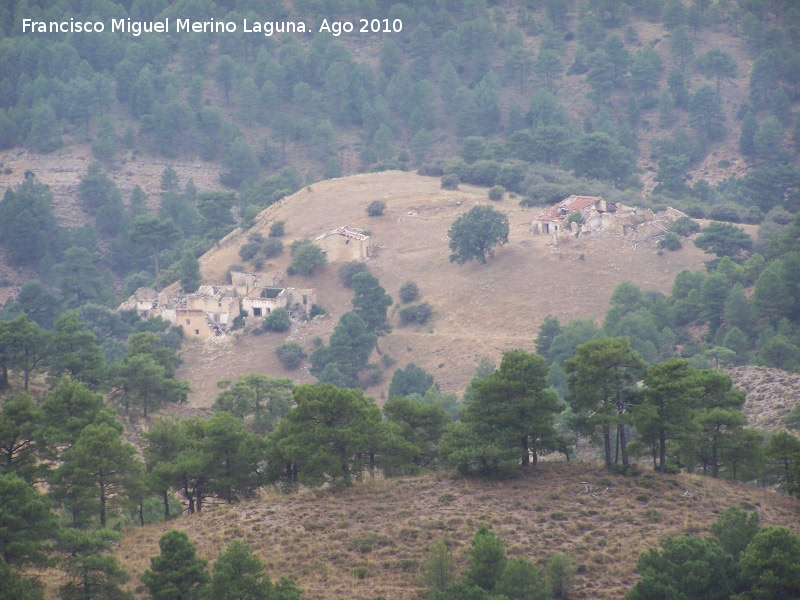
599 216
345 244
210 311
554 219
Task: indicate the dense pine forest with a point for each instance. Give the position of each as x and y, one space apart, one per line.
652 103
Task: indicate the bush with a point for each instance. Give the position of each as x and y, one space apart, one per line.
670 241
271 248
349 270
560 573
496 193
376 208
249 250
408 292
684 226
277 229
307 257
277 320
450 182
416 314
315 311
291 355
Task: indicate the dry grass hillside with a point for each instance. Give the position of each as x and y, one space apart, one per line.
369 541
480 310
771 395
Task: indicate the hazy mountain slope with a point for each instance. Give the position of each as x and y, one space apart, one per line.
385 526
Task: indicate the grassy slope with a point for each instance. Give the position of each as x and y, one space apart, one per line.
480 310
386 526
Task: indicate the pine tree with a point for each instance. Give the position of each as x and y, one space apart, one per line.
602 388
371 302
177 573
487 559
92 571
190 276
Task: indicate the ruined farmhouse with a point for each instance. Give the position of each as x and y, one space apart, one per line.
593 214
210 311
345 244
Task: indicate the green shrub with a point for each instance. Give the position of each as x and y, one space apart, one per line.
450 182
277 320
290 355
249 250
560 573
684 226
670 241
360 572
315 311
307 257
408 292
277 229
376 208
496 193
271 248
419 314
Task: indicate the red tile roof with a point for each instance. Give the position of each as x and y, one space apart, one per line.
571 204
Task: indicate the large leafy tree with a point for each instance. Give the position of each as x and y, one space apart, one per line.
204 457
723 239
332 436
28 228
411 380
75 351
602 388
371 302
686 567
419 423
19 422
177 573
240 575
487 559
91 570
163 443
234 456
507 418
79 278
14 586
599 156
24 347
259 400
145 376
66 410
27 523
156 234
672 391
347 353
706 115
734 529
719 64
142 382
770 566
717 420
474 234
91 480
